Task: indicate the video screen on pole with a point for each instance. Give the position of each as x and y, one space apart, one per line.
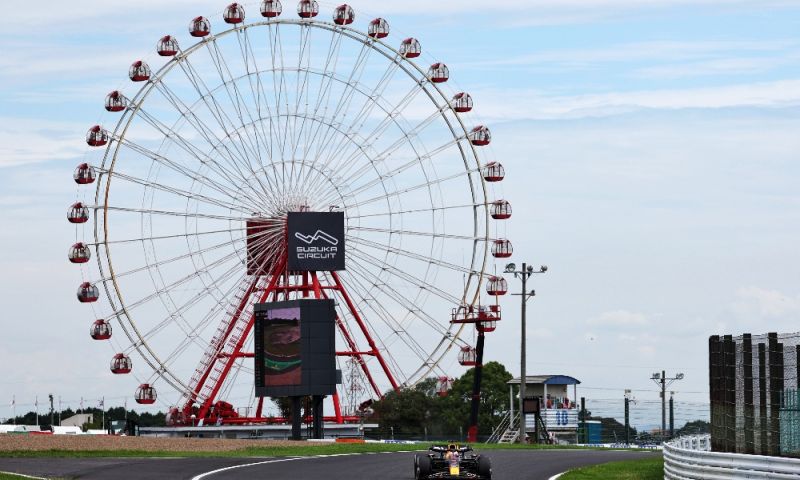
295 348
281 339
316 241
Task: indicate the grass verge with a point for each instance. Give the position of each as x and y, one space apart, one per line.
644 469
266 451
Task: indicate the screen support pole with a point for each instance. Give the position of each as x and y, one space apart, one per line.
296 417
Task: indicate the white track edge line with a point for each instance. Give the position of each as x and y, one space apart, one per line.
219 470
556 476
25 476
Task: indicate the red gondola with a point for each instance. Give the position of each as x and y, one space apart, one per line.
493 172
502 248
308 8
84 174
199 27
487 326
480 136
500 210
145 394
271 8
496 286
115 102
378 28
439 73
410 48
78 213
461 102
139 71
79 253
233 14
97 136
121 364
100 330
468 356
167 46
88 293
344 15
443 385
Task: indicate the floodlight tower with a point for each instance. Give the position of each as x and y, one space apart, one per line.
523 274
662 380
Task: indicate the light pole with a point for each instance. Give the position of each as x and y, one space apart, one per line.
663 381
523 274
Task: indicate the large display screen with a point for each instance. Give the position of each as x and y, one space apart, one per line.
295 348
316 241
283 359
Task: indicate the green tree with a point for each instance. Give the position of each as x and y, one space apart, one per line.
693 428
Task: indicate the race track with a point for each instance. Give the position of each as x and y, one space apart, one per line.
506 464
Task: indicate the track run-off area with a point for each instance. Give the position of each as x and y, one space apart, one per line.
506 464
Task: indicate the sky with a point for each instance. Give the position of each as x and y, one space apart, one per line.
652 150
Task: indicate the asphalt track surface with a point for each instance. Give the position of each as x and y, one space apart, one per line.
506 464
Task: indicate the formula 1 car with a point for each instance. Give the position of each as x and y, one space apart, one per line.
452 462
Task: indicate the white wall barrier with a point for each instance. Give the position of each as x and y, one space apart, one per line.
690 458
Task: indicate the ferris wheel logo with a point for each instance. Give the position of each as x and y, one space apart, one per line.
318 235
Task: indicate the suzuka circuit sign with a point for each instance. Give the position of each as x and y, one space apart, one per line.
316 241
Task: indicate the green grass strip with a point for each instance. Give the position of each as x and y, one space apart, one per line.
644 469
268 451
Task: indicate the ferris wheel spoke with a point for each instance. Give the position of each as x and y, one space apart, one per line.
166 237
380 308
325 84
402 275
402 168
325 137
343 158
183 280
415 233
331 148
431 209
368 302
301 91
179 192
178 168
185 145
237 101
429 363
412 255
258 91
314 143
168 213
192 332
223 120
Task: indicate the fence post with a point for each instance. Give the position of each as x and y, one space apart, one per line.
762 397
775 390
714 363
627 423
584 433
729 347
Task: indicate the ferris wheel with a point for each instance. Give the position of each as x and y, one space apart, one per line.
210 150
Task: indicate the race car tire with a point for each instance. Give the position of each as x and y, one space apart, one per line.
416 462
485 467
423 467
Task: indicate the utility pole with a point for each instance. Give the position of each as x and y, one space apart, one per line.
51 410
627 417
663 381
671 416
523 274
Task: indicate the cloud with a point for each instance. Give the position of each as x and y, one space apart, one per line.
525 103
24 141
766 303
619 318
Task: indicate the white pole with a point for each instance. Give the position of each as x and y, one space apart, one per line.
103 404
14 408
36 404
59 410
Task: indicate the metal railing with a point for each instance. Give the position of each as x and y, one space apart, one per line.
690 458
503 427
